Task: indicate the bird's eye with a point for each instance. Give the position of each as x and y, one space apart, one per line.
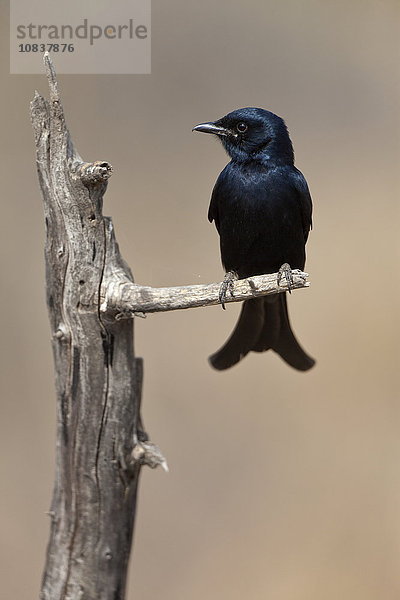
241 127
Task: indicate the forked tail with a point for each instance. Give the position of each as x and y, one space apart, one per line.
263 325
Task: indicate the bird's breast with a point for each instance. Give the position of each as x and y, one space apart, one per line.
260 222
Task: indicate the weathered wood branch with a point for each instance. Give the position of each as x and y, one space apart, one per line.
91 297
101 444
124 298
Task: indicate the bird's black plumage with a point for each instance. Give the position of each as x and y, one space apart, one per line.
262 209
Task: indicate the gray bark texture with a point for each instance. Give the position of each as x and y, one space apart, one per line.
100 441
91 298
123 299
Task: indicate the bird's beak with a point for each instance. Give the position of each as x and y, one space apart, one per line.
211 128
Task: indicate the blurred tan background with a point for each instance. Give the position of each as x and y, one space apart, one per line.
282 485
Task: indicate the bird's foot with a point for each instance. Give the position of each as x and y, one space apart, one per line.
286 271
226 285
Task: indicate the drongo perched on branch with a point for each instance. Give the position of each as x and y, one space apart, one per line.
261 207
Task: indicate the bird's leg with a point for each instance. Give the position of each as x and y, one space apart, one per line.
286 271
226 285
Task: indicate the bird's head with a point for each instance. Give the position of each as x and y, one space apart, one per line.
252 134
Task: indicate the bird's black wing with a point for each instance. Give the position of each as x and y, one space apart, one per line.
299 183
213 211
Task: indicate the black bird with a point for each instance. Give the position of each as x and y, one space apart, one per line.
262 208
